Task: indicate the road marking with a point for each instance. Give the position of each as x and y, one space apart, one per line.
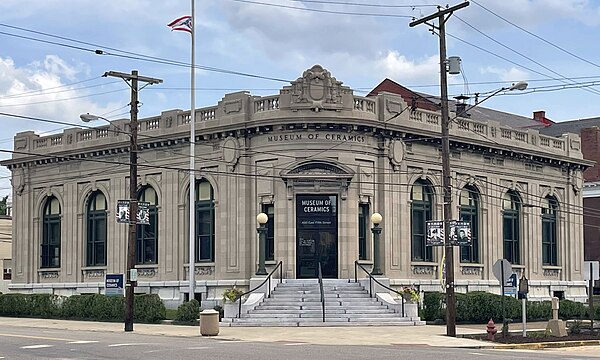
295 344
82 342
474 353
41 346
117 345
36 337
198 348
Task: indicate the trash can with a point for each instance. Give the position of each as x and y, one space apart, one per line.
209 322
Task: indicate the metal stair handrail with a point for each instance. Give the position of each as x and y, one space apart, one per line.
371 279
322 292
268 278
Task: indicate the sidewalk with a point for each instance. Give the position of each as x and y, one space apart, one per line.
428 335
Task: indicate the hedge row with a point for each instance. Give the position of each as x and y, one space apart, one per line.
480 307
96 307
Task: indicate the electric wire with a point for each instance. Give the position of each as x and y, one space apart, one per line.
522 55
537 36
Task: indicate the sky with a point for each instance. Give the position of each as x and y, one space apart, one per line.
49 67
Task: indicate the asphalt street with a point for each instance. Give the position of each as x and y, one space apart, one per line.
39 343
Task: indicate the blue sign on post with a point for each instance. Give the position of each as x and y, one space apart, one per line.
510 287
114 285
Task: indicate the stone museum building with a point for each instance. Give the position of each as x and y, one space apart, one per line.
319 160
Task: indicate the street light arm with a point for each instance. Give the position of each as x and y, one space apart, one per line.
521 85
90 117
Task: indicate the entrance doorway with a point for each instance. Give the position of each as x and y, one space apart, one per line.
316 236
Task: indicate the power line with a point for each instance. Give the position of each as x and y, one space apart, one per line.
363 4
322 11
520 54
65 99
50 88
536 36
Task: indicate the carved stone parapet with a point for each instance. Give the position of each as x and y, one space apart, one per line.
204 270
423 269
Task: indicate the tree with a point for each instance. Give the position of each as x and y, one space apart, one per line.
3 205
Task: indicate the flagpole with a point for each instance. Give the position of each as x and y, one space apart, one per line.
192 205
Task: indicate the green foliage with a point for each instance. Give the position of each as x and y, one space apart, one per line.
410 294
575 327
571 310
31 305
478 307
3 207
232 294
188 312
149 308
432 306
96 307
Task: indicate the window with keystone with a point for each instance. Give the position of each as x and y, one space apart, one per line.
469 211
50 251
421 197
96 230
511 231
146 246
205 221
549 248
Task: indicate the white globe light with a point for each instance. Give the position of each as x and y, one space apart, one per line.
262 218
376 218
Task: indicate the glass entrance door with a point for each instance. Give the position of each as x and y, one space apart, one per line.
316 237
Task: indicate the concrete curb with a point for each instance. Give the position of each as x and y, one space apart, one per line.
546 345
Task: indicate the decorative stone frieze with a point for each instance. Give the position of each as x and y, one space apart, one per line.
470 270
151 272
423 269
93 273
204 270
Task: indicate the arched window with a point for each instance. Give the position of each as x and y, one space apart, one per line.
469 211
420 212
549 249
147 235
511 205
96 230
205 221
51 234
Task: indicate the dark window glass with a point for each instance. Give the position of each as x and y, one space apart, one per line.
469 210
96 230
147 235
421 211
269 209
511 230
50 251
363 221
205 221
549 247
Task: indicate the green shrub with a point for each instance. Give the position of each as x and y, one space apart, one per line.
432 306
149 308
188 312
94 307
571 310
31 305
539 310
480 307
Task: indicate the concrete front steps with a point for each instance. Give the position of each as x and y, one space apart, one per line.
296 302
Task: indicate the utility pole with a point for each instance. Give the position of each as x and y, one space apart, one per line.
442 15
132 80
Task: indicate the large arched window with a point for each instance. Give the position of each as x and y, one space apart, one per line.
205 221
51 234
147 235
469 211
511 205
549 249
420 212
96 230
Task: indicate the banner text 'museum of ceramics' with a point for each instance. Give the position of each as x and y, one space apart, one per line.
317 136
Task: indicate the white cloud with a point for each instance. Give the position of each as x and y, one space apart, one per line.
39 90
403 70
512 74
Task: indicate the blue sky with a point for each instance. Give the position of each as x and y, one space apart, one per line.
57 82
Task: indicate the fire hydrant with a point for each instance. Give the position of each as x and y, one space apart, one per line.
491 330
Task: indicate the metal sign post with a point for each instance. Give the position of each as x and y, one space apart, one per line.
522 294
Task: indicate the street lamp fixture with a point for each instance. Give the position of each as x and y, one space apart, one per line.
86 118
376 219
262 219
